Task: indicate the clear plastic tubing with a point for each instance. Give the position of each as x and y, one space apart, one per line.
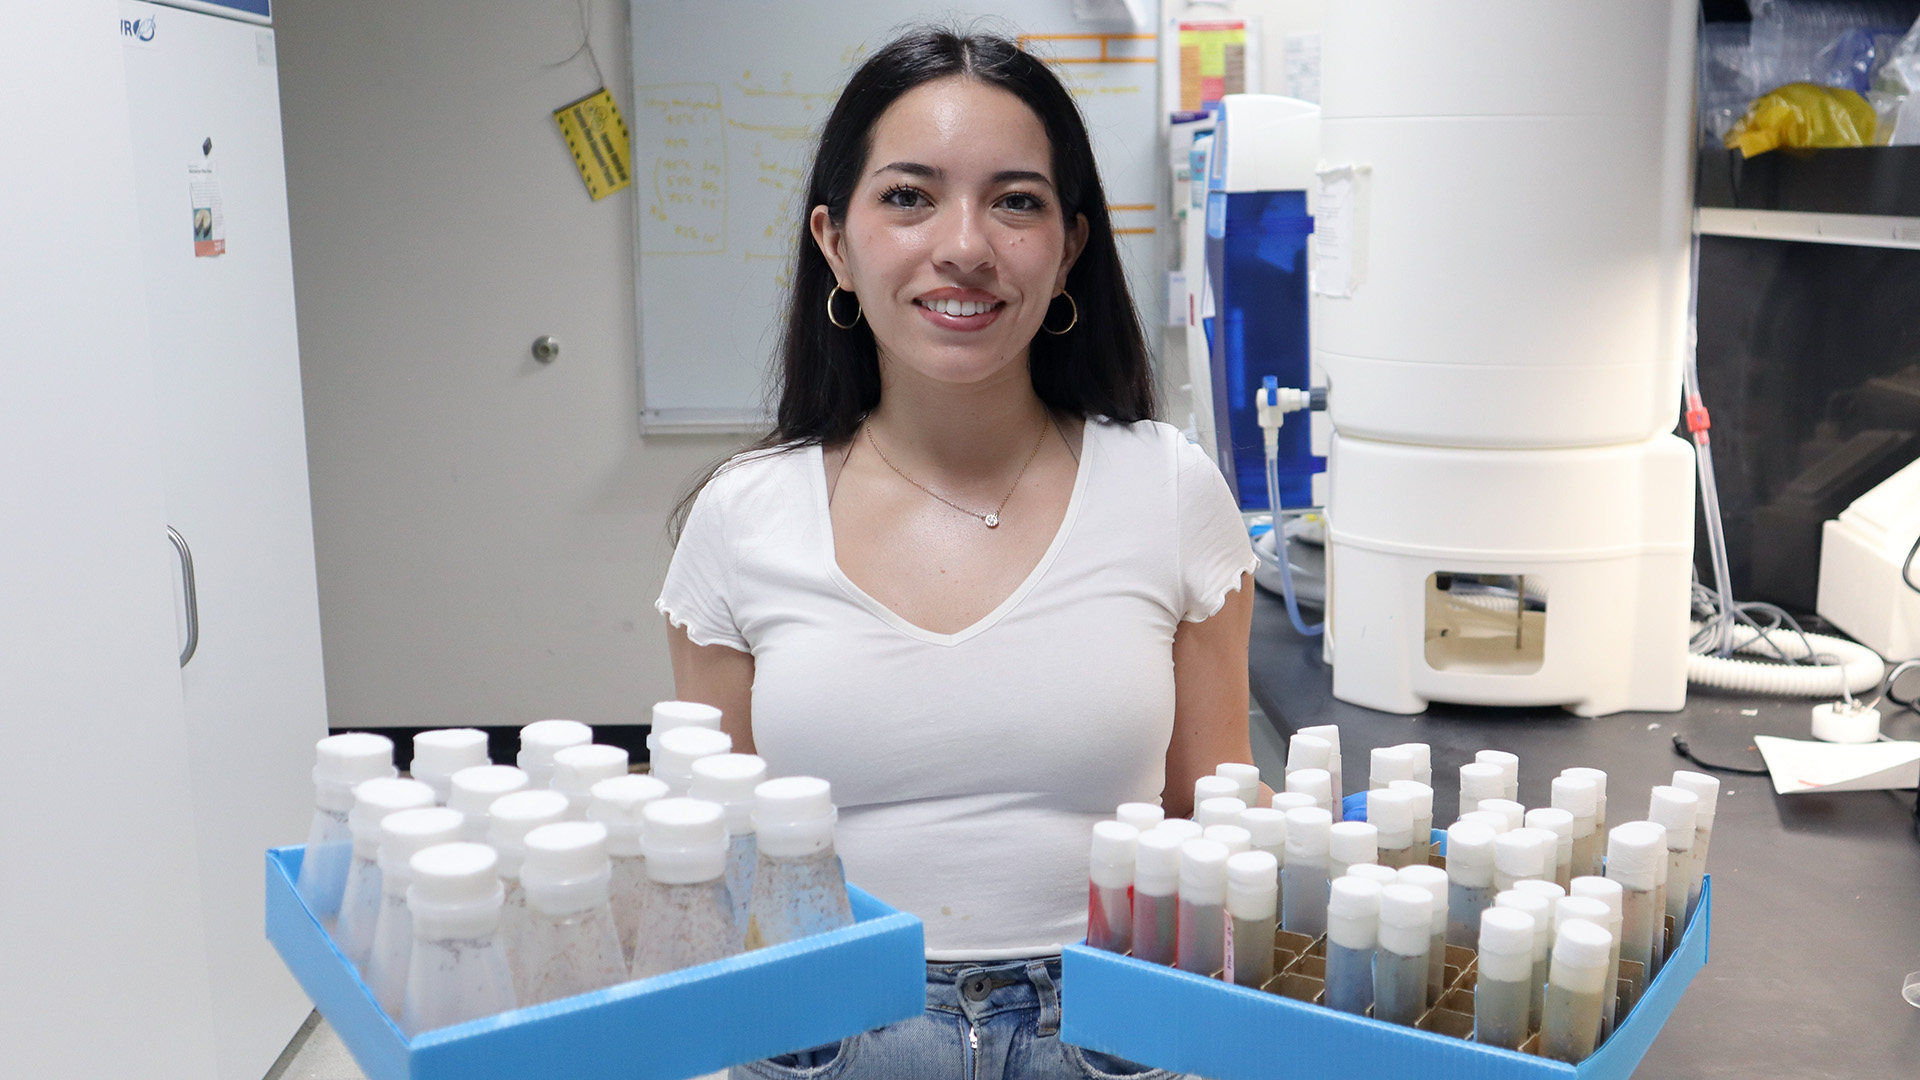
1515 814
1215 787
438 754
1253 913
1560 823
1501 991
403 835
1247 776
1422 762
1520 855
687 917
1574 992
1201 933
1636 851
1391 812
340 763
570 944
1350 843
458 968
1219 809
1434 880
1707 790
1580 796
1609 893
798 887
1109 879
1479 780
542 739
1509 765
473 791
373 800
1400 965
730 779
1156 895
1232 837
668 715
1353 929
577 768
1469 880
1540 909
1329 734
1140 815
1422 795
1315 782
676 751
509 821
1679 811
1303 878
1599 778
620 805
1387 764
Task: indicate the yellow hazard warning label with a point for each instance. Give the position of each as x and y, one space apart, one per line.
597 136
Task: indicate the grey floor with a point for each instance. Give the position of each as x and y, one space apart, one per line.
315 1053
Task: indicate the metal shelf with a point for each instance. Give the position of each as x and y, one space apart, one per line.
1860 230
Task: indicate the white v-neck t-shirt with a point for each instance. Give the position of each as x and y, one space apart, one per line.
969 768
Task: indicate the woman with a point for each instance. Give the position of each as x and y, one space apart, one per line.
967 579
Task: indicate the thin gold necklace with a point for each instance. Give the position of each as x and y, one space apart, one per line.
989 518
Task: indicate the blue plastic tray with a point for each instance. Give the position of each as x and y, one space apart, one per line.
670 1027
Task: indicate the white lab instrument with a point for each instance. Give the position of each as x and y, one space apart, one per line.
1868 562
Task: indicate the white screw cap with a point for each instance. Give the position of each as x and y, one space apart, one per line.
729 779
473 790
1636 852
1247 776
512 817
342 761
406 833
1390 763
566 851
1110 860
1140 815
685 840
620 805
1232 837
1156 862
1470 854
668 715
1391 812
1184 828
1422 761
1602 889
1315 782
1353 912
793 815
1353 842
438 754
1509 765
1515 814
540 740
1215 787
1219 810
1480 780
455 874
1284 801
675 752
1578 795
1266 827
1308 833
1523 853
373 800
1505 931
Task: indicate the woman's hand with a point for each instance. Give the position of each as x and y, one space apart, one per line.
1209 698
723 678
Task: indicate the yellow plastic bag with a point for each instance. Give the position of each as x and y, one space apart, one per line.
1802 114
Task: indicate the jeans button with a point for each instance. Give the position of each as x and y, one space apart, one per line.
975 987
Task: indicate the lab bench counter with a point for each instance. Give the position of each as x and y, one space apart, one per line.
1816 897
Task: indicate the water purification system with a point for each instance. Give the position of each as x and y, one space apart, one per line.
1500 300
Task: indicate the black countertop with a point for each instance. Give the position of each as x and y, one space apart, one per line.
1816 917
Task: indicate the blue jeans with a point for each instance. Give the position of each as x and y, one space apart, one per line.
984 1021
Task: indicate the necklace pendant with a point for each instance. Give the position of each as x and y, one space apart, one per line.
992 521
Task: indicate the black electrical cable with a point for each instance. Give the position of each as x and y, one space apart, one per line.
1680 747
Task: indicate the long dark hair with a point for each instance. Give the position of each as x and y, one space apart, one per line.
829 378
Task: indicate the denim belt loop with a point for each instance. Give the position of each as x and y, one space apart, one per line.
1049 995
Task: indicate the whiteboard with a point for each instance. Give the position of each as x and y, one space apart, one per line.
727 102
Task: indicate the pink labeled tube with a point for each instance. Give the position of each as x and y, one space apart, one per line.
1110 887
1156 895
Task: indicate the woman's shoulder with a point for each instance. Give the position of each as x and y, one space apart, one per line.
1144 443
755 482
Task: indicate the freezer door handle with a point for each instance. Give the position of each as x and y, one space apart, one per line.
193 599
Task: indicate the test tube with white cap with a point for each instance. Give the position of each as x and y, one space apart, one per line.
1234 838
1390 812
1593 910
473 791
1184 828
1353 933
798 887
1580 796
1247 776
1253 909
1599 778
1434 880
1201 932
687 917
1374 872
1575 989
403 834
1678 811
1469 880
668 715
1351 842
1636 852
1496 822
542 739
1284 801
440 753
1400 965
1515 814
1707 790
1521 854
1609 893
1141 815
675 752
1387 764
1303 877
620 804
577 768
1218 810
1266 830
341 762
1215 787
1422 795
360 903
509 820
730 779
1560 823
457 970
1422 762
570 945
1156 895
1109 877
1502 990
1540 909
1509 766
1329 734
1551 890
1480 780
1317 783
1306 751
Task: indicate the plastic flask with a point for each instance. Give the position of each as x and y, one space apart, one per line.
1219 810
341 762
1303 878
1214 787
798 886
1678 811
1387 764
373 800
474 791
1391 813
542 739
677 750
1400 964
1574 991
1350 843
1353 927
1315 782
1156 894
1609 893
512 817
1330 733
1247 776
1707 790
1201 928
1253 914
403 835
577 768
1421 795
1521 855
687 917
1434 880
729 779
1109 878
1501 990
620 805
1140 815
1540 909
437 755
1469 880
458 969
1580 796
668 715
569 945
1509 766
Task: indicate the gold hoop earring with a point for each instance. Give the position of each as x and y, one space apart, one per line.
831 293
1076 316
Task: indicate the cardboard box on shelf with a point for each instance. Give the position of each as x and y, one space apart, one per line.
769 1001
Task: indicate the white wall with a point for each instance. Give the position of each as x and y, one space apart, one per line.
489 531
